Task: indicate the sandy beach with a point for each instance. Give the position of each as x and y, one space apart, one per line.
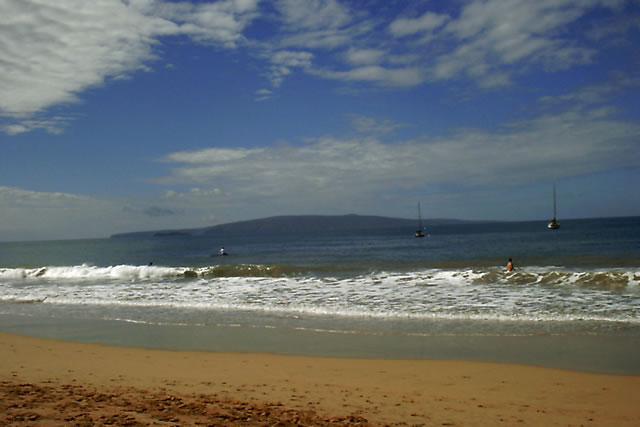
49 382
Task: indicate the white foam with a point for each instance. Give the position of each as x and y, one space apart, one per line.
473 294
88 272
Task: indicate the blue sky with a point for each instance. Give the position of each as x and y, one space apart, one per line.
136 115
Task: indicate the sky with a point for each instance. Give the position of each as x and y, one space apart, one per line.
132 115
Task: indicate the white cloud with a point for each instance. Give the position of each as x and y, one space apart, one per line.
15 129
218 22
212 155
292 59
596 93
364 56
324 39
18 196
614 26
283 61
313 14
333 171
487 42
408 76
426 23
54 51
372 126
492 35
263 94
194 194
54 125
318 24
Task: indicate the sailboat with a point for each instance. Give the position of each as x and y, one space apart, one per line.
420 230
554 224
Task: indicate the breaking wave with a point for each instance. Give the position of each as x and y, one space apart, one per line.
611 278
529 294
132 272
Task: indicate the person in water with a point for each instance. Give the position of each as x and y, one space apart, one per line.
510 265
222 251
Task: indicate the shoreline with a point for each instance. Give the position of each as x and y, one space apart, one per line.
617 354
50 381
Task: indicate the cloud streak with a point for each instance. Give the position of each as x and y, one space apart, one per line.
485 42
494 39
341 169
52 52
18 196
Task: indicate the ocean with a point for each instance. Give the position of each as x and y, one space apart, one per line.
573 300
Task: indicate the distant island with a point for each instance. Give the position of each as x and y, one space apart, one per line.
295 224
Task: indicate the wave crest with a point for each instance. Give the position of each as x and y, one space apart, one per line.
542 276
143 272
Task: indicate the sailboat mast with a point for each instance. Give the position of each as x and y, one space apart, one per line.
553 225
419 231
554 202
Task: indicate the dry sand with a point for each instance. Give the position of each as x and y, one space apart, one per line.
48 382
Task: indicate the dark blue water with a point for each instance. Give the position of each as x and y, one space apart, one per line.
590 243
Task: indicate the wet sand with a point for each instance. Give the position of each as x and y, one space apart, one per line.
49 382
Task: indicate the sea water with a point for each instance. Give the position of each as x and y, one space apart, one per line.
374 293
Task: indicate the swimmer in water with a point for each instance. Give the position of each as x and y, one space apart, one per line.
510 265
